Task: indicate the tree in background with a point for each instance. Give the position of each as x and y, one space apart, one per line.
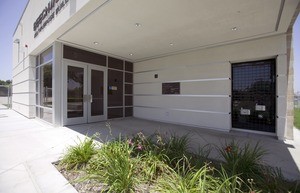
7 82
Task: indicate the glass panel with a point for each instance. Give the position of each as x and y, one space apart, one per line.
84 56
128 66
128 111
46 115
37 112
37 74
114 113
128 77
37 86
46 85
115 63
115 88
128 88
128 101
97 92
46 56
37 61
75 92
37 99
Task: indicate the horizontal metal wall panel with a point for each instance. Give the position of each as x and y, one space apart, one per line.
185 73
215 104
199 119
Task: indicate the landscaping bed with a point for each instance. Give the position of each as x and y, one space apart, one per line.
165 164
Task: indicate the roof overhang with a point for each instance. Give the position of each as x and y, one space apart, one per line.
139 30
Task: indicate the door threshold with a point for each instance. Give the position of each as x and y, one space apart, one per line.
247 131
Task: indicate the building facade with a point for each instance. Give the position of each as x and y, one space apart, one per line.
199 63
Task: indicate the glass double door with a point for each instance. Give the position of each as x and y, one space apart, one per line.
84 93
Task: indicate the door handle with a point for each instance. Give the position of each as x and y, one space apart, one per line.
91 98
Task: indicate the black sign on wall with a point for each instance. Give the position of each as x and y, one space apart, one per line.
171 88
53 8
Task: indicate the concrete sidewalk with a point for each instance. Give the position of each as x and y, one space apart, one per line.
28 147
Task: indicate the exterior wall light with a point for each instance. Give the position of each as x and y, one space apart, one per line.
17 41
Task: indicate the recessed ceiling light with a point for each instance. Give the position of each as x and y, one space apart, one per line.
137 25
96 43
234 28
171 44
131 54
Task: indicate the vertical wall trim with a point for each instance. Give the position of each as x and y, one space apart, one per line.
57 84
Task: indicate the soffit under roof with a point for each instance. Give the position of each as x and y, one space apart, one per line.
172 26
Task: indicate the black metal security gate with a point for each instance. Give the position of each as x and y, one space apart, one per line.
254 96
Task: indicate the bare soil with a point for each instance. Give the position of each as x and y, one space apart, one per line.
77 179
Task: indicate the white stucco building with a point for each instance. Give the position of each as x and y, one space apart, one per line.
207 63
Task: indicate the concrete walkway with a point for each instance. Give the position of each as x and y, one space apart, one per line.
28 147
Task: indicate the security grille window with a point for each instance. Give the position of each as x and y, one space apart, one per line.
44 85
253 95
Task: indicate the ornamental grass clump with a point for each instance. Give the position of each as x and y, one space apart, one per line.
272 180
176 148
114 166
77 156
152 165
243 161
186 179
165 164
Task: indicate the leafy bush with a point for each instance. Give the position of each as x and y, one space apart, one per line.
77 156
166 165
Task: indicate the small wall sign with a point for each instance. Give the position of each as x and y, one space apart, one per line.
112 88
245 111
260 107
171 88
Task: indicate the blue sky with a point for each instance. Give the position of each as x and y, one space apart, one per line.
11 11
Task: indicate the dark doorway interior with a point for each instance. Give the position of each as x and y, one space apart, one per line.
254 95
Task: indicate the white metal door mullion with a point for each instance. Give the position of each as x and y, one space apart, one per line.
89 91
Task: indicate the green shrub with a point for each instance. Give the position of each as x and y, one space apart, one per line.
176 148
230 183
114 166
186 179
165 164
273 181
152 165
77 156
